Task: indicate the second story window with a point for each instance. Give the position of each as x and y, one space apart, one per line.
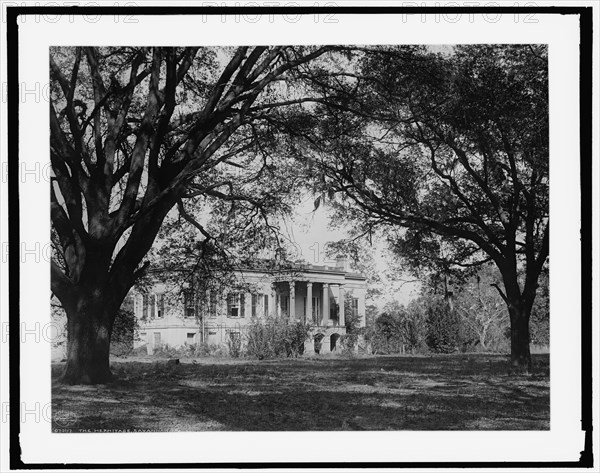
254 304
188 304
152 306
212 311
160 305
144 306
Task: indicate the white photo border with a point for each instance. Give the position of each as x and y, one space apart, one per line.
562 442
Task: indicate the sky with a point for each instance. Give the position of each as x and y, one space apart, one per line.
309 231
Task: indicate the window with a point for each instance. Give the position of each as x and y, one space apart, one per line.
333 309
152 306
235 305
254 304
285 305
188 303
157 340
144 306
190 337
266 305
143 338
354 306
212 311
315 309
160 305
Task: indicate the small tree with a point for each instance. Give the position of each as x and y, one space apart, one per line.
352 323
540 314
443 325
385 335
482 310
414 328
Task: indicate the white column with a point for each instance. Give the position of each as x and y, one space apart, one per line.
277 297
342 315
325 305
292 308
273 301
308 315
247 304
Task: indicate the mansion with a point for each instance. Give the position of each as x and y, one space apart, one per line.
318 295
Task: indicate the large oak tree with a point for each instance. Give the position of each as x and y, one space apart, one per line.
135 132
446 152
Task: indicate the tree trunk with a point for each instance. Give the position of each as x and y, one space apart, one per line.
90 323
520 356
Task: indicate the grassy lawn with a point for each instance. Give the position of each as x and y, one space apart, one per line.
453 392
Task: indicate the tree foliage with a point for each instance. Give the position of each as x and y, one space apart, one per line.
398 329
135 132
447 154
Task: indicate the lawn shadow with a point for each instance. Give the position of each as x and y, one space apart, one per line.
380 393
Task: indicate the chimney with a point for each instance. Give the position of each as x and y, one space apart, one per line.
342 263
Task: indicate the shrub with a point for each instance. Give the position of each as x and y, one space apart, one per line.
259 340
189 350
275 336
166 350
234 344
294 337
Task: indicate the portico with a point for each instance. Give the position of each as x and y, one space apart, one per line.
309 301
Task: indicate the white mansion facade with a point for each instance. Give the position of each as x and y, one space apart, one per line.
313 294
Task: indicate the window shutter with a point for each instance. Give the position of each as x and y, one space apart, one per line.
229 303
242 305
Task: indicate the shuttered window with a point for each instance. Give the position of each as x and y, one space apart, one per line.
235 305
